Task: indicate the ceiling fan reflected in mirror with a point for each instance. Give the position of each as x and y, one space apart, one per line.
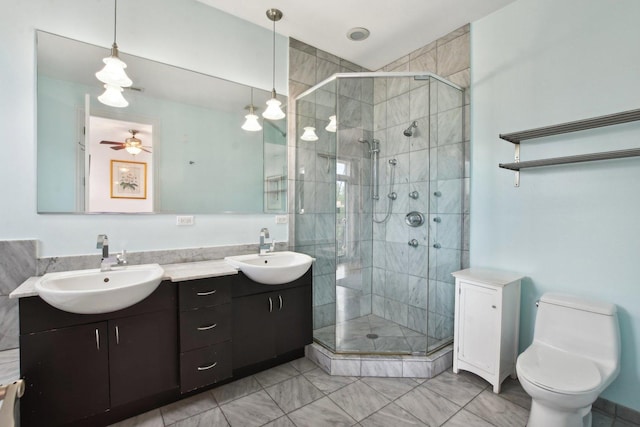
133 145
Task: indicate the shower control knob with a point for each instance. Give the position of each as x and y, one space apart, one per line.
414 195
437 193
414 219
437 219
413 243
393 195
437 245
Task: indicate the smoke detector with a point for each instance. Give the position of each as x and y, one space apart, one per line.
358 34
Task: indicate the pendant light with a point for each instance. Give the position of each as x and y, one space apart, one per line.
113 74
309 134
332 126
251 124
273 111
112 96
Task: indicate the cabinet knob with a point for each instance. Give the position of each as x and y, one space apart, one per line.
493 306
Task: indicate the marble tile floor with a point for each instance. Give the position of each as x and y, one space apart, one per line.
301 394
352 336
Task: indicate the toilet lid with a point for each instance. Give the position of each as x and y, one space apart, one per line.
558 371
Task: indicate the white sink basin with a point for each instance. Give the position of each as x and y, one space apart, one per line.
93 291
274 268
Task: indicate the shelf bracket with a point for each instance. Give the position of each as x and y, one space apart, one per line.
517 160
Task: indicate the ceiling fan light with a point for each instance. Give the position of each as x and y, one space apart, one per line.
112 96
132 149
332 126
113 71
273 111
309 134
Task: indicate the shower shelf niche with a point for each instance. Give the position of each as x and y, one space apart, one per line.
575 126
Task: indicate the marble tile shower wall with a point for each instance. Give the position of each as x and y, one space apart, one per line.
17 263
448 57
442 143
312 172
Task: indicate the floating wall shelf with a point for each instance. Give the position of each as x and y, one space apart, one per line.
592 123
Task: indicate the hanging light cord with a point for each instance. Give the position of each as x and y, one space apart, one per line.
115 21
274 56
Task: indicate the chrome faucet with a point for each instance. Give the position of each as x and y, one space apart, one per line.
264 247
109 260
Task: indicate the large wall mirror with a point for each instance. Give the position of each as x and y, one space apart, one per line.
194 156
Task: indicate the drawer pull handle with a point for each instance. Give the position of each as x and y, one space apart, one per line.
280 298
205 368
97 340
117 335
204 294
270 305
206 328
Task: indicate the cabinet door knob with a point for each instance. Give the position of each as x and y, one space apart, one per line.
204 368
206 328
204 294
493 306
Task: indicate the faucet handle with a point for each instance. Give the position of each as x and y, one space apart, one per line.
272 248
102 240
122 257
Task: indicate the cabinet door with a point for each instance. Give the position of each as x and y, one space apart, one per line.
294 320
143 353
66 372
253 329
479 326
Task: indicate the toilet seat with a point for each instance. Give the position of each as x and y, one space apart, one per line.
558 371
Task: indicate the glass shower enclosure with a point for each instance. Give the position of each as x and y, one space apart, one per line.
379 194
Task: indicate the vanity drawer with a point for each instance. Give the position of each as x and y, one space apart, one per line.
205 366
205 326
205 292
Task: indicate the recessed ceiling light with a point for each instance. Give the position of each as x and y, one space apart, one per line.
357 34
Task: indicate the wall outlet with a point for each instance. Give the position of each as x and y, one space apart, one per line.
184 220
282 219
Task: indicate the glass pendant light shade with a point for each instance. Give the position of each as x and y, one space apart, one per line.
332 126
112 96
251 124
273 111
309 134
113 71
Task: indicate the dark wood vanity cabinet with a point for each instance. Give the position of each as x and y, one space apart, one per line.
205 331
76 366
270 321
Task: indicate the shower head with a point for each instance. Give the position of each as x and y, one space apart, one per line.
409 131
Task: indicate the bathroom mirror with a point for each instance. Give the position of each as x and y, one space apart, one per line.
195 157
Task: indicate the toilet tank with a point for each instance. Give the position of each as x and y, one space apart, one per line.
580 326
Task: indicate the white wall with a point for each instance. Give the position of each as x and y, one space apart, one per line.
574 228
185 33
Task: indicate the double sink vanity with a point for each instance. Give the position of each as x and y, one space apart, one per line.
100 346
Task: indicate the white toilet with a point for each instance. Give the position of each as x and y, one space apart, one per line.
574 356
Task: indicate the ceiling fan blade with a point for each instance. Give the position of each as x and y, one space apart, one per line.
118 148
144 149
112 142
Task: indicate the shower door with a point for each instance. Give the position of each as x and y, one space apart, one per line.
380 285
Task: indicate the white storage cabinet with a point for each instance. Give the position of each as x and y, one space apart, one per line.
487 319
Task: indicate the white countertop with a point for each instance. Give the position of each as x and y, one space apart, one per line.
488 276
174 272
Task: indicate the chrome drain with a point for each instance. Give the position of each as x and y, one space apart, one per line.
372 336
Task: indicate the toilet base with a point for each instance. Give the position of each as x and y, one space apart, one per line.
545 416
